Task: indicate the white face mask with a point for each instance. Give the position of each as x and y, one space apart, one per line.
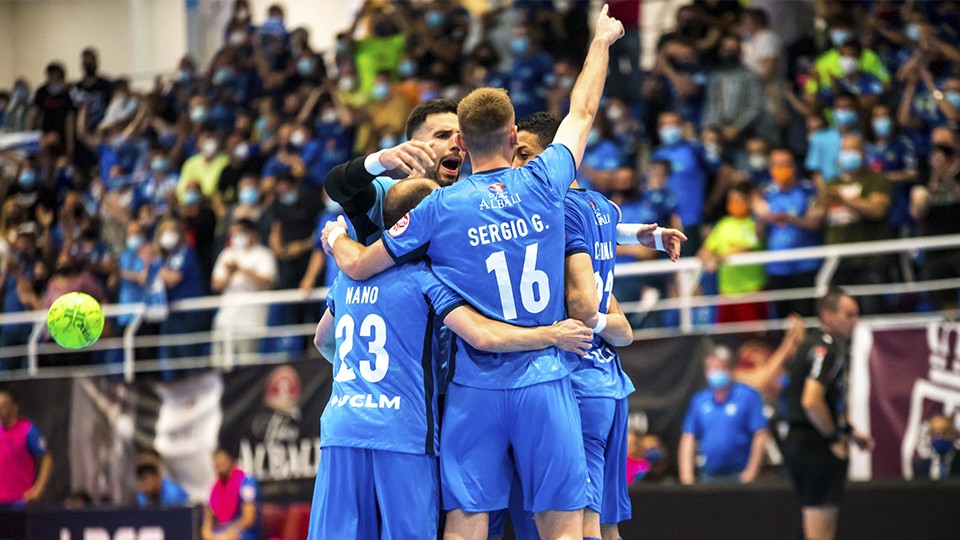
169 240
329 116
240 241
209 147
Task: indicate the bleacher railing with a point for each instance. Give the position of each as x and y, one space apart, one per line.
687 271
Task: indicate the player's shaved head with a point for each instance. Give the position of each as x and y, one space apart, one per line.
405 196
486 121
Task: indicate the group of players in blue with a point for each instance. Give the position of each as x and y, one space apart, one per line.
494 291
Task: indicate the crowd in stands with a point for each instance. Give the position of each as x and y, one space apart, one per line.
751 132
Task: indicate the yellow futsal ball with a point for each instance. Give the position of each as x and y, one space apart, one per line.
75 320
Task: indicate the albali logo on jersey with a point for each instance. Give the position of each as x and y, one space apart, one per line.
275 450
498 197
941 388
400 226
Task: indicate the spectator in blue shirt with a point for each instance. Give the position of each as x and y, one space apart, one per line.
155 490
322 270
824 149
526 81
677 82
601 154
156 186
18 287
688 178
134 269
791 218
179 272
892 153
725 425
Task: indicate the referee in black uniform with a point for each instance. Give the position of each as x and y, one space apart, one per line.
816 447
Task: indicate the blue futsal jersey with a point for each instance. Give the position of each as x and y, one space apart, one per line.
591 228
496 238
384 385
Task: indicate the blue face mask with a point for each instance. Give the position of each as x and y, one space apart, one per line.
341 47
953 98
845 117
248 196
191 198
839 37
305 66
882 126
407 68
198 114
288 198
380 90
941 446
653 455
158 165
133 242
850 160
913 32
670 135
718 378
435 18
222 75
520 45
27 179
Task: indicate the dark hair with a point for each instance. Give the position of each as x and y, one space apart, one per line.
759 16
11 395
785 149
55 67
405 196
831 301
429 107
246 224
846 95
147 468
285 176
542 124
226 451
855 45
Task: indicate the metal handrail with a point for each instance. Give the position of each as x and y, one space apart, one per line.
688 271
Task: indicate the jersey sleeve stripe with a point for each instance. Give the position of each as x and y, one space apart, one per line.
446 311
426 362
412 256
574 251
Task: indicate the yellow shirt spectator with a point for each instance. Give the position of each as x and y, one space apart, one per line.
205 171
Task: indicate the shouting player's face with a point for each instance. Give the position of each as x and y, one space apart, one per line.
439 131
527 149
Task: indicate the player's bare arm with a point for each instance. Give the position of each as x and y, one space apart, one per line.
651 235
353 258
586 93
494 336
618 331
325 339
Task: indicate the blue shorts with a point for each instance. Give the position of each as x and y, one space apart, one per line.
605 444
540 424
355 484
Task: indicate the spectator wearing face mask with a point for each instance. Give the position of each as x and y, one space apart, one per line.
857 205
647 459
387 110
177 269
54 109
204 168
30 193
15 115
244 266
601 153
852 80
936 209
250 206
677 82
734 101
824 151
23 274
199 228
757 163
924 109
527 78
724 425
134 269
243 161
939 461
688 179
291 241
842 30
156 185
735 233
892 153
334 132
791 218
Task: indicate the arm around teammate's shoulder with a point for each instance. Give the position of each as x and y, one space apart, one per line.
485 334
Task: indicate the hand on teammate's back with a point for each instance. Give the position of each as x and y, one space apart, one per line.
414 158
329 228
608 29
572 336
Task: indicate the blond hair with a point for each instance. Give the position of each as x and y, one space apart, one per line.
485 116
